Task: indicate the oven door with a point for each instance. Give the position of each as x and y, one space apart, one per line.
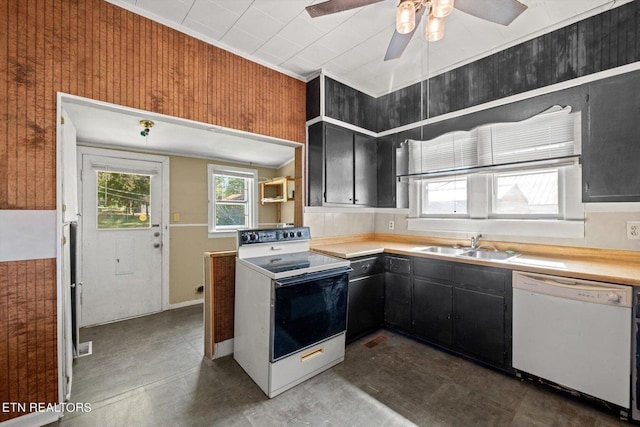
307 309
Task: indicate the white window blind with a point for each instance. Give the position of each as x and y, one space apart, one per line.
449 151
545 136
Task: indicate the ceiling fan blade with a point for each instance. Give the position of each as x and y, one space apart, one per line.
399 42
498 11
334 6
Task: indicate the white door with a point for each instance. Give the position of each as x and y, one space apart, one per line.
121 238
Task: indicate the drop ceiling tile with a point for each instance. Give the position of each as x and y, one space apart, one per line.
300 66
281 10
259 24
237 7
211 14
317 54
281 48
206 30
175 10
241 40
301 30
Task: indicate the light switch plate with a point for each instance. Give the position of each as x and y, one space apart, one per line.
633 230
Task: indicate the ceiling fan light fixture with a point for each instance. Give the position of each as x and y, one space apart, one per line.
435 28
406 17
441 8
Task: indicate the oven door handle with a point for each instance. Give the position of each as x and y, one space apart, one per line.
296 280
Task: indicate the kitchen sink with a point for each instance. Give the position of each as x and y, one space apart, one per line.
488 255
444 250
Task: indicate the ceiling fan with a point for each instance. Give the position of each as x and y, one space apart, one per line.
410 12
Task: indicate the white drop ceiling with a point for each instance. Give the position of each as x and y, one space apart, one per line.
350 45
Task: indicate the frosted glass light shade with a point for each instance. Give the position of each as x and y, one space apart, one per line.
406 17
441 8
435 29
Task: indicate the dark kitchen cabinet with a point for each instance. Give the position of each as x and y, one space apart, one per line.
397 295
338 165
611 152
482 313
366 297
342 167
433 300
387 172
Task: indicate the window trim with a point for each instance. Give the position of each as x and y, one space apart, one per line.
252 196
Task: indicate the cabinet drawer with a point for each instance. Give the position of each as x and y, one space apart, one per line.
482 278
366 267
439 270
397 265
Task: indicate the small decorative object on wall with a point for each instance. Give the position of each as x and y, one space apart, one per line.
147 125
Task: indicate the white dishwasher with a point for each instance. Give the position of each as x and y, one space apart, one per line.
575 333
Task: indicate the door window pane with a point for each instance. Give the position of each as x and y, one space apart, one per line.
123 200
526 193
445 197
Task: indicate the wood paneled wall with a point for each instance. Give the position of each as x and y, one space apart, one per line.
94 49
28 335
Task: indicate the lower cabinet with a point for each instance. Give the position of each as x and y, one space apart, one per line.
461 307
397 293
365 312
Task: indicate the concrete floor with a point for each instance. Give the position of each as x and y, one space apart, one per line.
150 372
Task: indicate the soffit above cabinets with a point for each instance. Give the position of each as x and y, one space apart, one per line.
350 45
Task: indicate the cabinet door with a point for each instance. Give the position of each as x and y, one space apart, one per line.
397 301
432 306
366 305
611 152
479 323
338 165
365 151
387 172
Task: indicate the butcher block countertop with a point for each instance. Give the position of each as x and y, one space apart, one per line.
602 265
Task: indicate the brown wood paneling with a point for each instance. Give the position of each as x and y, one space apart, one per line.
94 49
28 336
220 279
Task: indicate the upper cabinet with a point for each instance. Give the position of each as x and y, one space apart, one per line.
342 167
611 152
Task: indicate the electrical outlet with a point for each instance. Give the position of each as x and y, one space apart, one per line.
391 225
633 230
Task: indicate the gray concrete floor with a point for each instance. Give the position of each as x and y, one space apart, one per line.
150 372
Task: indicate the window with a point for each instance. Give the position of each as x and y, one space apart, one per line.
483 179
444 197
123 200
232 199
531 193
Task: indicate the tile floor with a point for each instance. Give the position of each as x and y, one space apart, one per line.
150 372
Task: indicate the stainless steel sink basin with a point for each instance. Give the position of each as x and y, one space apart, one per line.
444 250
488 255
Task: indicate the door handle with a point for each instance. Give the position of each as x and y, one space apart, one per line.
156 245
156 234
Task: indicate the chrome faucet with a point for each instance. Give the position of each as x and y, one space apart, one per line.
474 241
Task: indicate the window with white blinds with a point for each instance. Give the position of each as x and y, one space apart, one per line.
548 135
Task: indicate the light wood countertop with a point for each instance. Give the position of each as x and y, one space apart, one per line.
612 266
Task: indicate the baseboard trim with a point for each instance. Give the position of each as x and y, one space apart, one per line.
222 349
185 304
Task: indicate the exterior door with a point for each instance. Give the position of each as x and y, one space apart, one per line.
121 238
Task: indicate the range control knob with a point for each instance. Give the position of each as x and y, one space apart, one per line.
299 233
285 234
245 237
613 297
253 236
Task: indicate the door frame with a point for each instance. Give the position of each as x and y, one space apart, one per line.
119 154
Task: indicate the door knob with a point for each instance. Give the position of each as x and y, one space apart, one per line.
156 245
156 234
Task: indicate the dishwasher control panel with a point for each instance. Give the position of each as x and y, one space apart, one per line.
575 289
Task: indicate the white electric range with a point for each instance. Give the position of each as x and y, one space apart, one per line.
290 308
